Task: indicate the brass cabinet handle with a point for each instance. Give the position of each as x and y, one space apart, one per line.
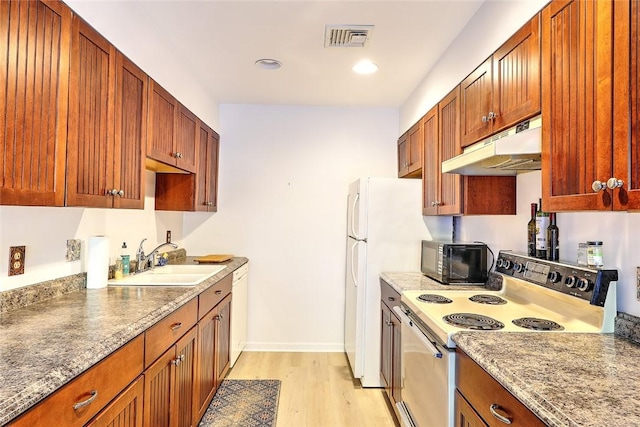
176 326
501 418
78 405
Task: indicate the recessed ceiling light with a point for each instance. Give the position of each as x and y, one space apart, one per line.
268 64
365 67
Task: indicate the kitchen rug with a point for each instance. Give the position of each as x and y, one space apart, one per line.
243 403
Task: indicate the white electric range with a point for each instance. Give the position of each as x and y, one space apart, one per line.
536 296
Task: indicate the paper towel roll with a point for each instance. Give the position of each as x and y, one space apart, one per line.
97 262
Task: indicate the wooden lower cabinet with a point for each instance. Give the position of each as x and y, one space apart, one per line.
125 410
223 339
487 399
391 345
170 387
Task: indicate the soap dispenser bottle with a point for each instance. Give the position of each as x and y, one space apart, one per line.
125 259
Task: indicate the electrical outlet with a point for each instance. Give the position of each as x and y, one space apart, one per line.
73 250
168 236
16 260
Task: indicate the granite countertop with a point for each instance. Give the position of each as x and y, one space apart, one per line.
45 345
405 281
566 379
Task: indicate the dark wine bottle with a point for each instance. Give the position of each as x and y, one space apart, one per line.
553 247
531 231
542 222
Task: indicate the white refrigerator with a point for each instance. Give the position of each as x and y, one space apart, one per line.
384 232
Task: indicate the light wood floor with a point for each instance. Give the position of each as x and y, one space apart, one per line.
317 390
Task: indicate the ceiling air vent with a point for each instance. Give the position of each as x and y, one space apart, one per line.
347 35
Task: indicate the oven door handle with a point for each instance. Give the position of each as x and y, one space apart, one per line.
407 320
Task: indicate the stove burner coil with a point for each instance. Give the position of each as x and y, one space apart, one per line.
434 299
488 299
472 321
537 324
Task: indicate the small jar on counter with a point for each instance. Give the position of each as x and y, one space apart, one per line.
594 254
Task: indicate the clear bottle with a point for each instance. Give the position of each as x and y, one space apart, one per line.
542 222
531 231
125 259
553 246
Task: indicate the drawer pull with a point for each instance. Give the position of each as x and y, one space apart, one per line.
94 394
218 292
392 298
502 418
176 326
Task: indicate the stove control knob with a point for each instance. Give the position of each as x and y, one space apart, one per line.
507 264
518 267
571 281
585 285
554 277
500 263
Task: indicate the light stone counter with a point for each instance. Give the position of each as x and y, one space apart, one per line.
47 344
405 281
566 379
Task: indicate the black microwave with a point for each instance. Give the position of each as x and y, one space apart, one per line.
455 263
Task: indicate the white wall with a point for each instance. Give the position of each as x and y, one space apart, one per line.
284 178
44 232
489 28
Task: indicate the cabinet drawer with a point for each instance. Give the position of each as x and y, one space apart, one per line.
483 392
167 331
212 296
97 387
389 295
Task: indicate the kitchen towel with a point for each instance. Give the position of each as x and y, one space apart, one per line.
97 262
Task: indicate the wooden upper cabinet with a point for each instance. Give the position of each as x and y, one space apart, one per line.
131 104
207 170
431 174
505 89
577 104
35 38
90 151
172 130
453 194
626 87
410 153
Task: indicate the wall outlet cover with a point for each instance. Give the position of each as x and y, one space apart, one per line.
16 260
73 250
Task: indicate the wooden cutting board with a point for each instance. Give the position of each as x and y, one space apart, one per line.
214 258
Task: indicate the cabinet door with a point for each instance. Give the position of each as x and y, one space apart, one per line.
386 349
465 416
396 367
516 77
185 142
205 369
163 117
431 165
157 391
414 150
576 104
35 39
450 184
626 138
130 133
403 156
207 170
476 104
90 151
223 339
125 410
183 404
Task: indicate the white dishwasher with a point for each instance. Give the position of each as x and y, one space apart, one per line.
239 311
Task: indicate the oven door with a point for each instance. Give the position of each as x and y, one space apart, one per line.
428 376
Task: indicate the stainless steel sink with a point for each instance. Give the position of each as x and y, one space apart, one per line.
170 275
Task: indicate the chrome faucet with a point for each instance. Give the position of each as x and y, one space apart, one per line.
143 261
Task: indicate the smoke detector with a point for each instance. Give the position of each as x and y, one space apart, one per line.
347 35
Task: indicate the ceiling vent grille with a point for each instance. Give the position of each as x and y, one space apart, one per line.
347 35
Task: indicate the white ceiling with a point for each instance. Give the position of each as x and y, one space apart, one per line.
219 41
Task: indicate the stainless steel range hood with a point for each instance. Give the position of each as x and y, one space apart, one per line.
506 153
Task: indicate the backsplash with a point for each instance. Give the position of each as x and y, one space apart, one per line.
628 326
27 295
